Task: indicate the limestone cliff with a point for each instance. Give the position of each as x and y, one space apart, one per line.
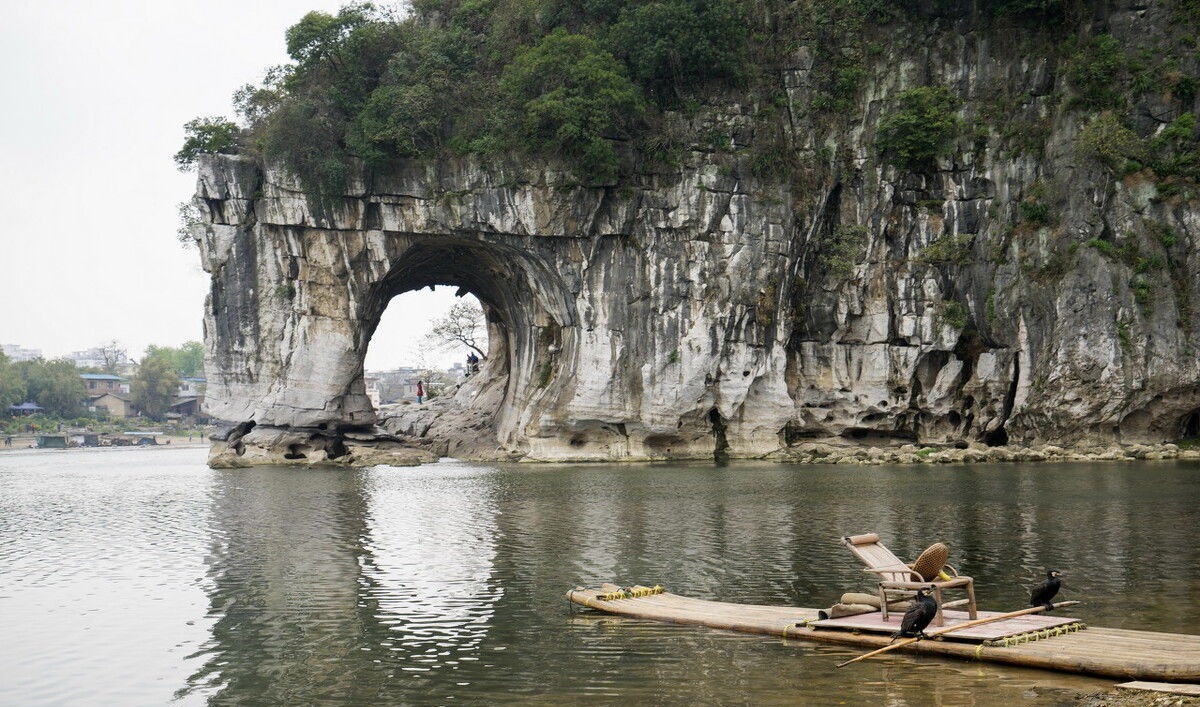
1017 292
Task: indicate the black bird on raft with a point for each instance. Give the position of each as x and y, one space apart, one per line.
1044 592
924 608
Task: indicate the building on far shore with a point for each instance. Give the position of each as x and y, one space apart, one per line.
192 387
189 401
374 392
25 409
399 385
111 403
102 383
20 353
393 386
108 394
100 357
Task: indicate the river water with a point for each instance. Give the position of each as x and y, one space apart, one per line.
141 577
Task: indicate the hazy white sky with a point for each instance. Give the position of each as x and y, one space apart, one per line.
95 94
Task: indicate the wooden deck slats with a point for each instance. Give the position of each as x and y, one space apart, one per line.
1106 652
1000 629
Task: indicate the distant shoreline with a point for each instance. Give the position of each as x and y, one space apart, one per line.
26 442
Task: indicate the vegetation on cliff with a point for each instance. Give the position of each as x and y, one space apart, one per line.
542 77
588 82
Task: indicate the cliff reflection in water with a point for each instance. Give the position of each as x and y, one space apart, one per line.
339 585
446 582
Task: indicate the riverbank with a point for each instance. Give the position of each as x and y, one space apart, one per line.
834 453
25 442
267 446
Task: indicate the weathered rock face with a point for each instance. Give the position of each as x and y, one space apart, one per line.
696 309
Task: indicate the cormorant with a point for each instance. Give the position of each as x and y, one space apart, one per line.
1044 592
924 608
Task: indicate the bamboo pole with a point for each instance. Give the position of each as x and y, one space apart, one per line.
948 629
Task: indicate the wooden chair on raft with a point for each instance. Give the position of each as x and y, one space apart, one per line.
898 580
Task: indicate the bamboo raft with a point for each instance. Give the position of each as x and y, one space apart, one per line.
1103 652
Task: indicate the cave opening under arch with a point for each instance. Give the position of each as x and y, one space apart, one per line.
1190 425
405 348
529 318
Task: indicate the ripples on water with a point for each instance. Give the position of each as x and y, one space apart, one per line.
140 577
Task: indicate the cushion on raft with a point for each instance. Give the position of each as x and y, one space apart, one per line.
861 598
871 600
837 611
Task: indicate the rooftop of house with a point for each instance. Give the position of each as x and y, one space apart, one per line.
100 377
94 398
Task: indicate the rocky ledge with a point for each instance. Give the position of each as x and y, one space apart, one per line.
835 453
402 439
246 446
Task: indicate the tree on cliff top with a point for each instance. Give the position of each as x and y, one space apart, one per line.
570 95
672 45
209 135
535 76
321 37
562 78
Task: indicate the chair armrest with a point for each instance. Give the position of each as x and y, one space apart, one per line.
899 569
956 582
954 575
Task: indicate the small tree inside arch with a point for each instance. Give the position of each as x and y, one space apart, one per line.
463 325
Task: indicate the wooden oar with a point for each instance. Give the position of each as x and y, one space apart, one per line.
955 627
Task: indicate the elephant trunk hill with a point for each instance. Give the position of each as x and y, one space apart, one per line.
1021 288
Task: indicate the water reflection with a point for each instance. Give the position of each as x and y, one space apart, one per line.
283 571
445 583
429 576
335 584
99 560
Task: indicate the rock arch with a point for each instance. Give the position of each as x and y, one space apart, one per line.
622 321
681 314
531 316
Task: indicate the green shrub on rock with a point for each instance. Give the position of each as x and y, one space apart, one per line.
948 249
841 249
921 129
1108 140
954 314
1176 149
306 134
569 95
1098 69
671 45
207 136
